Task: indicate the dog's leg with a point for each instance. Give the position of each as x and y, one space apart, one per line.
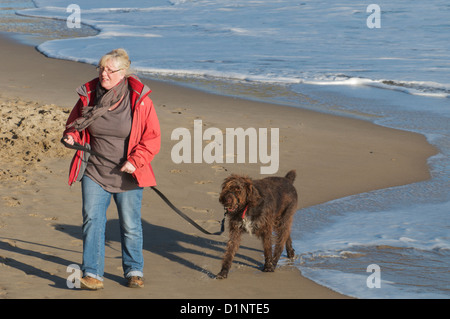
267 245
279 246
289 249
283 231
282 241
232 247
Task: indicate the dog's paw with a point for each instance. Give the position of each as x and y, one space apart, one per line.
222 275
269 268
291 254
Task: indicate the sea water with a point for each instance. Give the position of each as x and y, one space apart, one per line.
387 63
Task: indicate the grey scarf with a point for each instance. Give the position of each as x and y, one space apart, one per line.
105 100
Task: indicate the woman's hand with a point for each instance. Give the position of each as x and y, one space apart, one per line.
69 139
127 167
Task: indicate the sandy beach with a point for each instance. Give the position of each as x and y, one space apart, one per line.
40 215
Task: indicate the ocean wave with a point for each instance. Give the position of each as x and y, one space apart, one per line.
420 88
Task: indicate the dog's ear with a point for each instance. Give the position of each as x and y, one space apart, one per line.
253 195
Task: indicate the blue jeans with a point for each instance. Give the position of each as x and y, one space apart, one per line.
95 204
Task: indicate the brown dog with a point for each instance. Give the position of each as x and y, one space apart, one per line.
259 207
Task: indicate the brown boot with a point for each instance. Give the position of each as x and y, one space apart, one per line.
135 282
90 283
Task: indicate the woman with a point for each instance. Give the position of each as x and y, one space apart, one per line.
115 117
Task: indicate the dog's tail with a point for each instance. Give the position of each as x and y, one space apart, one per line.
291 176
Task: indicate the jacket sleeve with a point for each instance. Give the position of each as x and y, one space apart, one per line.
145 141
74 114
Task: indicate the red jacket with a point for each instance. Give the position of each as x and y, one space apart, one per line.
145 136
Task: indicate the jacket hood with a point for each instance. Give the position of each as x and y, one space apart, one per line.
139 89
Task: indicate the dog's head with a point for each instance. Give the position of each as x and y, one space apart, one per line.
237 193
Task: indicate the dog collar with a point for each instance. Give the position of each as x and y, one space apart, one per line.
245 210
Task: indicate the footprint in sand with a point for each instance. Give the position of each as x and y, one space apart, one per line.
179 110
11 201
76 242
213 194
219 168
36 215
195 209
10 242
202 182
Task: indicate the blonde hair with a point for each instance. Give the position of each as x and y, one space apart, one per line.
120 56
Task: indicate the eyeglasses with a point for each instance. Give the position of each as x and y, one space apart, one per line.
107 70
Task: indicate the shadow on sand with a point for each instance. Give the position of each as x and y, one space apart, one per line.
166 242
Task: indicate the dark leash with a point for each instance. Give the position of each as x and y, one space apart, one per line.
79 147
